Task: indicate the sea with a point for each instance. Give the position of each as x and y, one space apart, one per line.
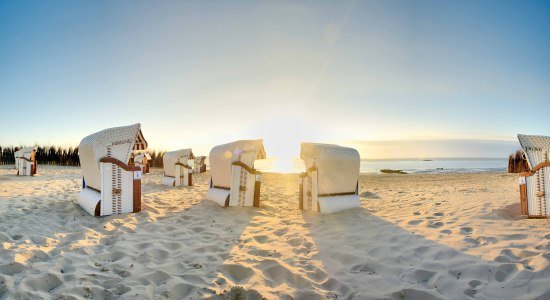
410 166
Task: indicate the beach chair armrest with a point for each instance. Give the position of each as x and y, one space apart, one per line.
119 163
247 168
535 169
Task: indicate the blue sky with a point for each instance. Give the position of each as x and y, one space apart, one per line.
196 74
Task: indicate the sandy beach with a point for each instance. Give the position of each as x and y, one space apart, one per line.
444 236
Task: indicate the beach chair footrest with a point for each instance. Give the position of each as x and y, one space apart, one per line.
333 204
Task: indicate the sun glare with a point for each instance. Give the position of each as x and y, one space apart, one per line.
282 139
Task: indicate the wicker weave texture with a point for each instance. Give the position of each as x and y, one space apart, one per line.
171 158
116 142
337 167
537 150
222 156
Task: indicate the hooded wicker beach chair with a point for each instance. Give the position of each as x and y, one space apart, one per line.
234 181
199 165
111 185
25 161
176 168
142 159
331 181
534 185
16 155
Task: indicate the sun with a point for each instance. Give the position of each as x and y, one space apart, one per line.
282 138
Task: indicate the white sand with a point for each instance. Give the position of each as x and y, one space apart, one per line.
417 237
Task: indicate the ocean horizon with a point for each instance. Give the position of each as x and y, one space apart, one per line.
408 165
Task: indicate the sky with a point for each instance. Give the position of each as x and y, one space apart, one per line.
391 78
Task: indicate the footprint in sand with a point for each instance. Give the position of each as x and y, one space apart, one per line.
514 255
180 291
12 268
466 230
261 238
264 253
121 290
506 271
414 222
122 272
475 283
480 240
44 282
34 256
279 274
280 232
295 241
512 237
436 224
370 195
363 268
411 293
237 273
420 276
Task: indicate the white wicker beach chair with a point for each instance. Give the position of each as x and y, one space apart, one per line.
111 185
234 181
176 168
331 181
16 156
199 165
142 159
535 184
25 161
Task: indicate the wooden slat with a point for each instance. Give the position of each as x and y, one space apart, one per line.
119 163
535 169
137 195
523 198
247 168
257 186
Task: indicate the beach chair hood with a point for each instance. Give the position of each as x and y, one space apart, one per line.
27 152
222 156
535 184
117 142
337 167
536 148
172 157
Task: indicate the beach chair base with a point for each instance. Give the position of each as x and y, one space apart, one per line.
244 191
120 190
535 192
220 196
26 167
309 199
184 176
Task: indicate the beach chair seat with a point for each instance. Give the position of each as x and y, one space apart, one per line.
111 184
143 160
177 171
199 165
535 184
25 161
331 181
234 181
